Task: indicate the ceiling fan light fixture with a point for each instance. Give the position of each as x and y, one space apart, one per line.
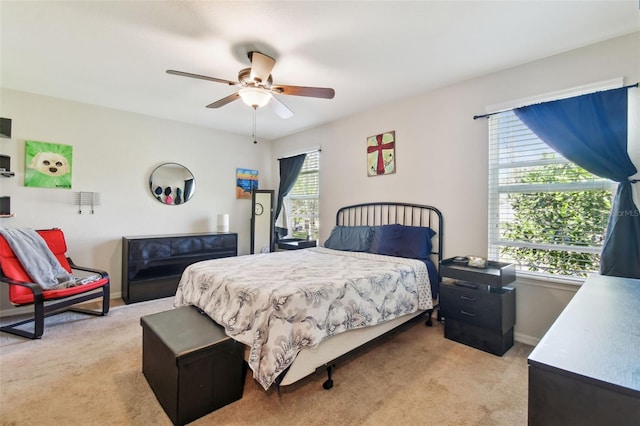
257 89
254 96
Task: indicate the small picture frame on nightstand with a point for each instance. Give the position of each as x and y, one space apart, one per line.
477 262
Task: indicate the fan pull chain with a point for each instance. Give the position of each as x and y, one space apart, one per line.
254 125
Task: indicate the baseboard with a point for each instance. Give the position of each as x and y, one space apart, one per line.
527 340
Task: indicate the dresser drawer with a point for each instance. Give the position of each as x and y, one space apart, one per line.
493 309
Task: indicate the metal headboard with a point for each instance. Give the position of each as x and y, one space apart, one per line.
385 213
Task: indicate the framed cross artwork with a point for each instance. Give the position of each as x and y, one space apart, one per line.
381 154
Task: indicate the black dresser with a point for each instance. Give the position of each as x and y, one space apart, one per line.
152 265
479 310
586 369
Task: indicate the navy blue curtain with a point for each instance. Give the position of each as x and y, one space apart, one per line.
289 170
591 131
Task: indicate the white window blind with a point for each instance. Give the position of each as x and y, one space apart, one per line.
546 214
302 201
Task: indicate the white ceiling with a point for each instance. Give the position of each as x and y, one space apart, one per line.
115 53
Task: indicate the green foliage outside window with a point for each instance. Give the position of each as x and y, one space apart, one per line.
568 218
304 220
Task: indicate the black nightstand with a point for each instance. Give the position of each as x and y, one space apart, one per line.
295 244
478 307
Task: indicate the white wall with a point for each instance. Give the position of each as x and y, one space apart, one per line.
113 154
441 160
441 155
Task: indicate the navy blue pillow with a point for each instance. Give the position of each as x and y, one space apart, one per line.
403 241
350 238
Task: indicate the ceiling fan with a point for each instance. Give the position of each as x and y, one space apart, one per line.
257 88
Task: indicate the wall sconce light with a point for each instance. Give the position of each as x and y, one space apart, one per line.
86 199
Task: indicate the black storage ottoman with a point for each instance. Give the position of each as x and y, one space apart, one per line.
192 366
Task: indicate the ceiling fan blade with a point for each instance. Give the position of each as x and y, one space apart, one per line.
313 92
224 101
202 77
261 66
279 108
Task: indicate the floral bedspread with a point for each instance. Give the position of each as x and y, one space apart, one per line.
278 303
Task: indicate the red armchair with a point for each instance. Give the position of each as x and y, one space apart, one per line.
48 302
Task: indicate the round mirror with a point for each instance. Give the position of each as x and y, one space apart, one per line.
172 183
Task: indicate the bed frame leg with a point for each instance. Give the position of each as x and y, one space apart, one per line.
328 384
429 322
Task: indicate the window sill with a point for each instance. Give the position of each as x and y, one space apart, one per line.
567 284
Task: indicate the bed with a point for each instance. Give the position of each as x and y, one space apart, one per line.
301 310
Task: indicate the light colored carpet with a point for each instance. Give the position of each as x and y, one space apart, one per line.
88 371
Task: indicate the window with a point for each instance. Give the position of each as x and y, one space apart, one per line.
302 202
546 214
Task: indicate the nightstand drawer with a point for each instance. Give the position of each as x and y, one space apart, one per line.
481 338
492 309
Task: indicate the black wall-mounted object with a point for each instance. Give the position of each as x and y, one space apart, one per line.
5 206
5 128
5 166
5 163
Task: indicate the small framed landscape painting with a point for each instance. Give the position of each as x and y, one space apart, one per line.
246 182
